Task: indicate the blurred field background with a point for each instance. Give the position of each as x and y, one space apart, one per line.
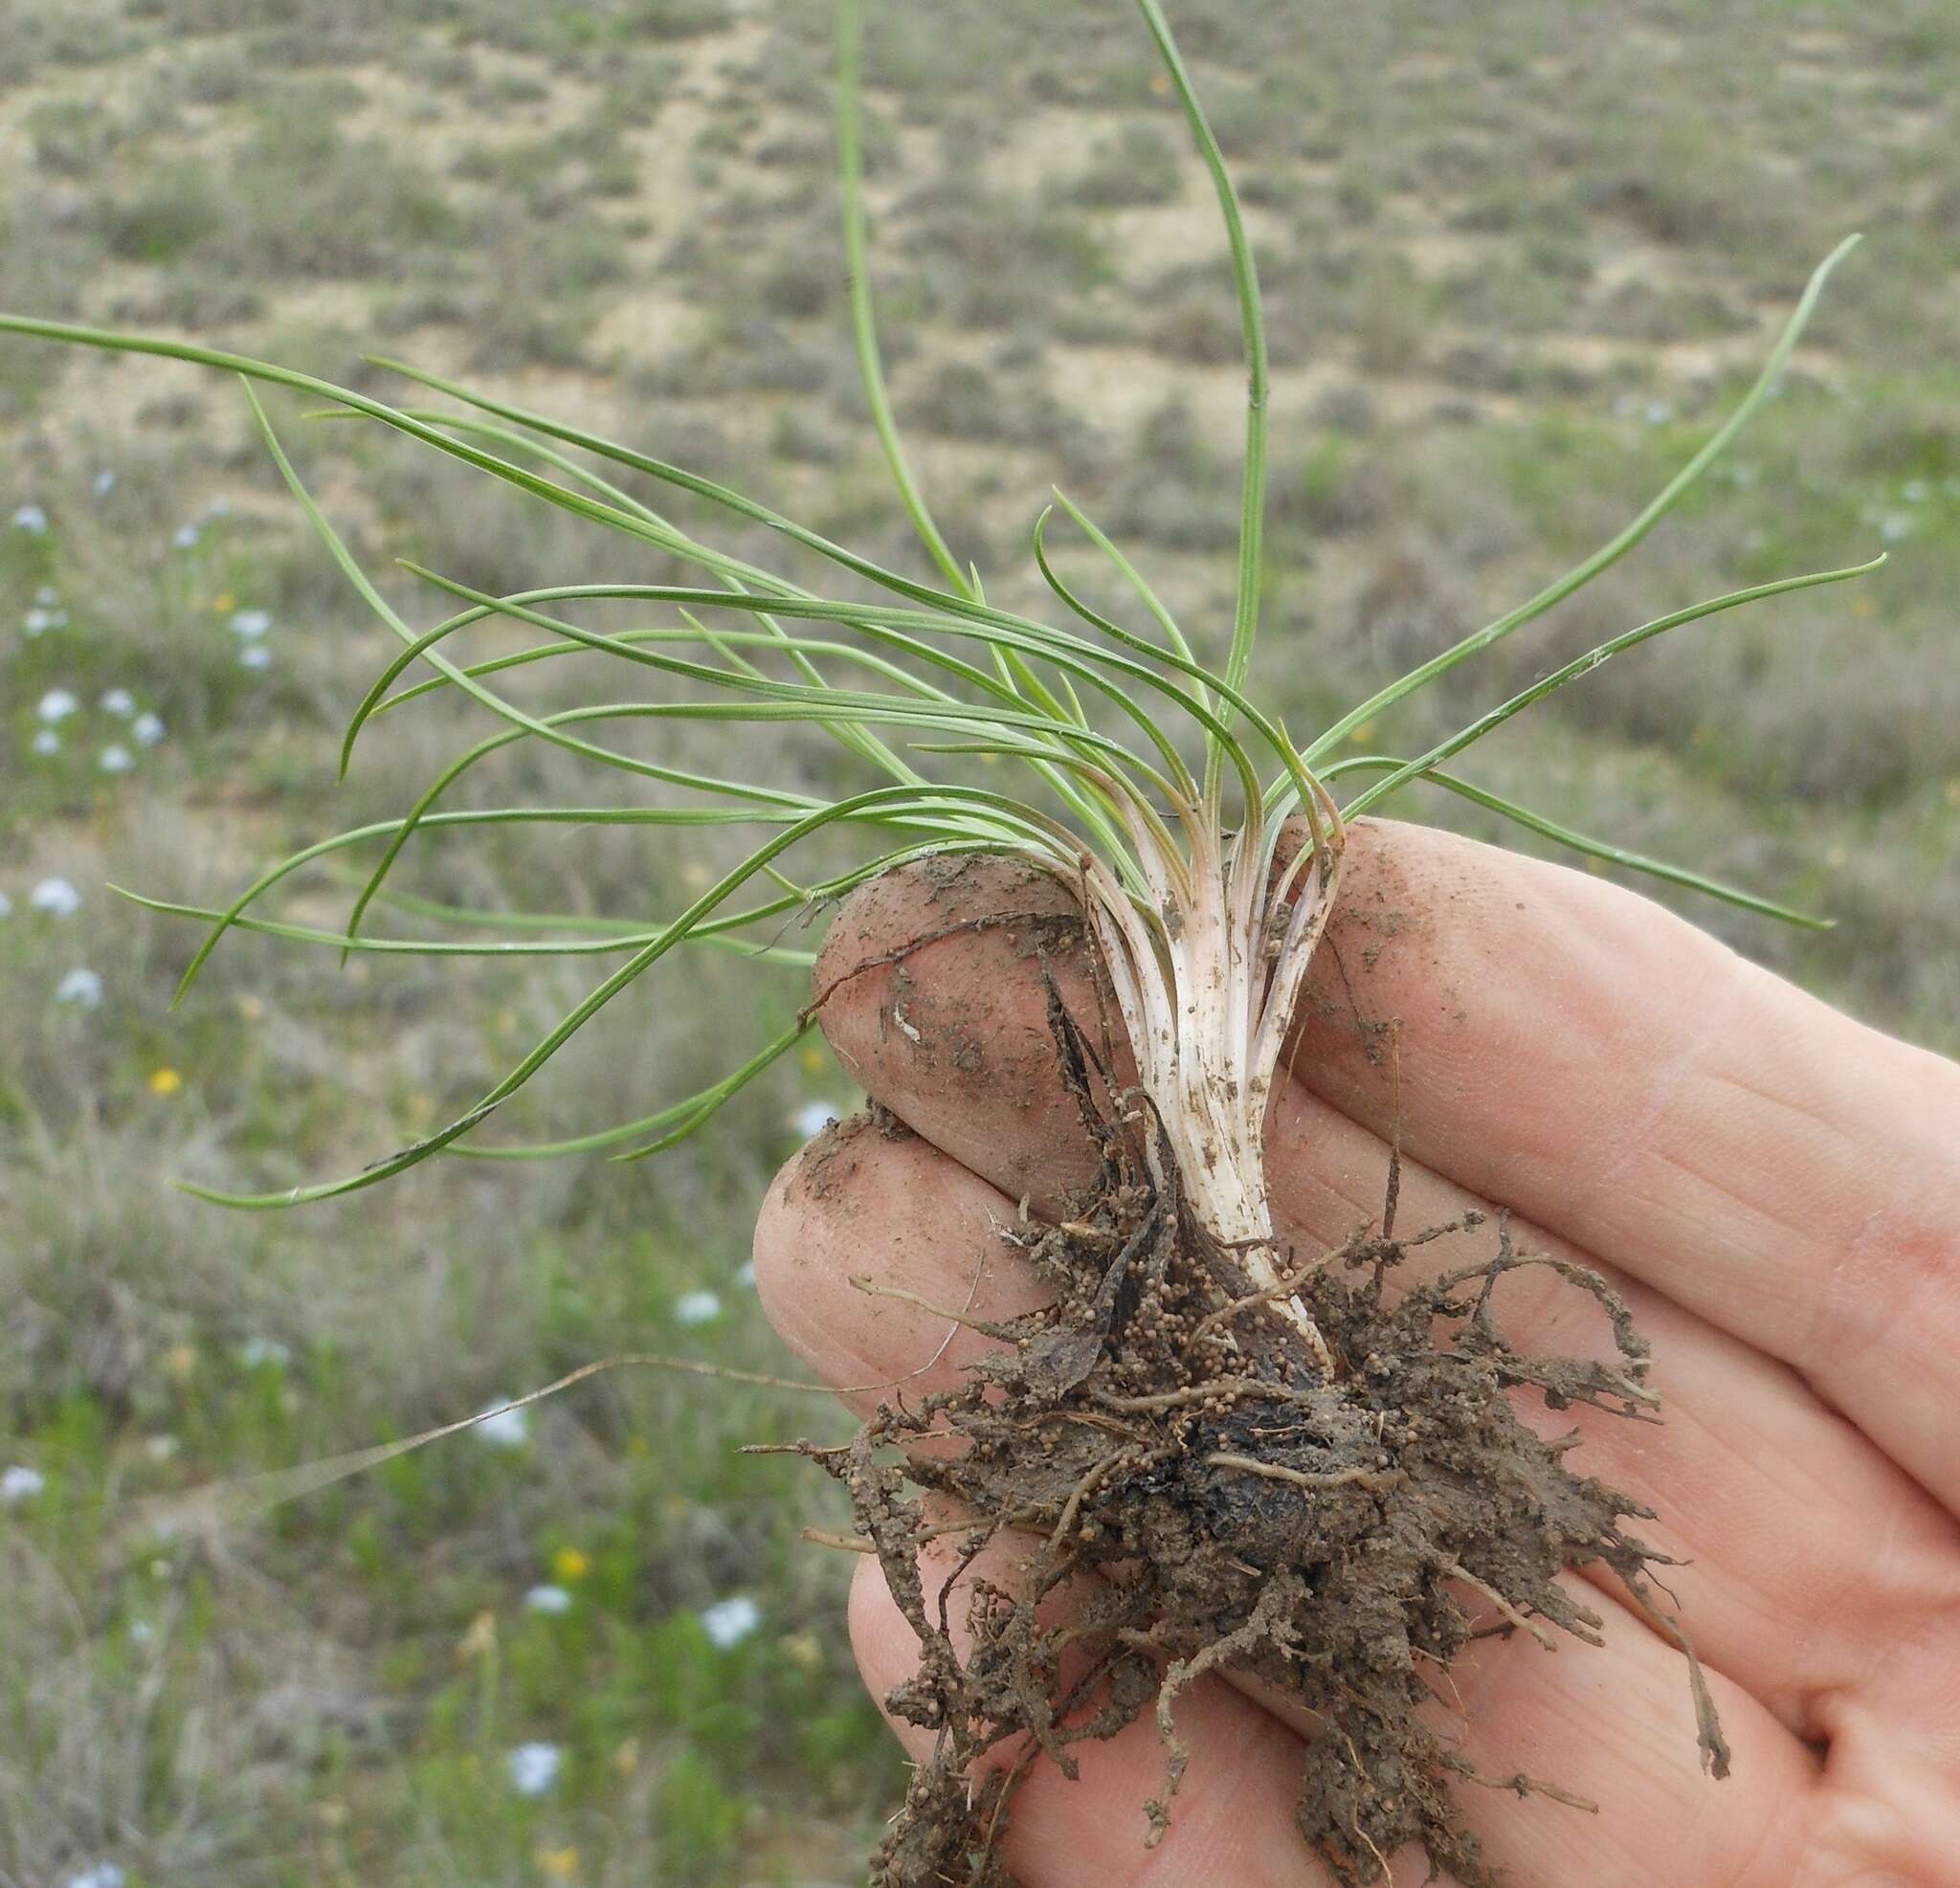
1519 257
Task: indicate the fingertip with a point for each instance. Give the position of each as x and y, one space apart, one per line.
869 1200
933 990
937 895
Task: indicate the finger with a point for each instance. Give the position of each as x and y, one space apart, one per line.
1810 1556
1626 1080
1739 1153
1746 1465
858 1203
1610 1725
954 1039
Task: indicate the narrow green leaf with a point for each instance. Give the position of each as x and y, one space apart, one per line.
1591 848
1583 572
694 1113
575 1019
858 278
1245 281
1585 665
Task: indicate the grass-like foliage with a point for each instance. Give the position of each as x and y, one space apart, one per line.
1146 779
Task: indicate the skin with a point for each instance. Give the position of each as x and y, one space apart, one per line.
1774 1188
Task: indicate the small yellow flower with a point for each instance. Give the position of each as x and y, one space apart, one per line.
251 1007
568 1564
481 1640
813 1057
180 1362
222 602
1362 733
165 1082
626 1759
804 1650
557 1864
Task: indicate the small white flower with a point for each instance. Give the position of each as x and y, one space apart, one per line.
117 702
30 518
553 1600
254 655
142 1633
147 729
812 1118
534 1767
5 905
105 1875
56 897
1896 526
696 1308
219 508
42 619
116 758
20 1483
48 596
1916 491
104 483
47 742
506 1429
251 624
160 1448
730 1621
58 704
184 536
1658 413
254 1351
747 1274
80 986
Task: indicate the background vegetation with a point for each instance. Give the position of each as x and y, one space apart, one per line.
1517 258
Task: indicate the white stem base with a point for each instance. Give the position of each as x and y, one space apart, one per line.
1205 999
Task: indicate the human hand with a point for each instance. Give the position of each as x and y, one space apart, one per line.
1773 1188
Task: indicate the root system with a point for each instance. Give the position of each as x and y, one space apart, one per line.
1338 1534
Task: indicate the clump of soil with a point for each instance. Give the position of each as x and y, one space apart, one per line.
1331 1534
